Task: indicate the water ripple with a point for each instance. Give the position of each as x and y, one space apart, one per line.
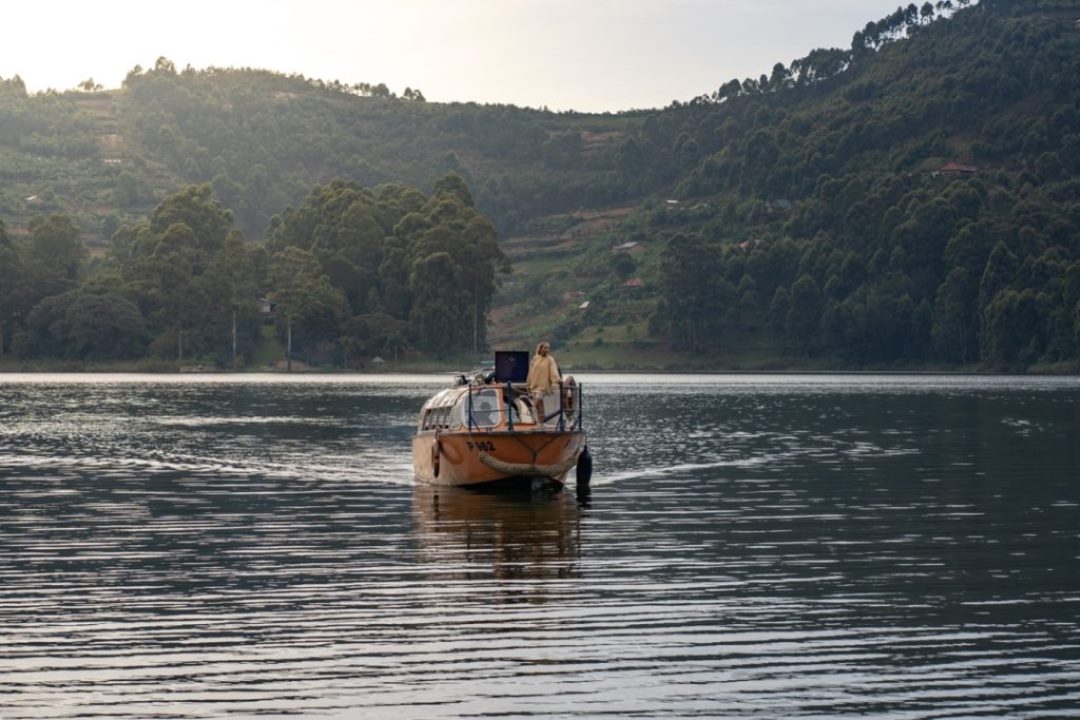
796 546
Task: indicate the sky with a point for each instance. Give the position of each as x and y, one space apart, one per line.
586 55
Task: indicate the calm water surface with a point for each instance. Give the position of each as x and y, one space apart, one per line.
750 547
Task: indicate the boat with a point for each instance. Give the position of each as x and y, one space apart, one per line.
486 429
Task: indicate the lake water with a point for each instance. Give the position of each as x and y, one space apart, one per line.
749 547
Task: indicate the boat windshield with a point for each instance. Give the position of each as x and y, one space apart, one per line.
486 407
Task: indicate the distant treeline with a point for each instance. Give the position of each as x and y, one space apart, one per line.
351 274
912 198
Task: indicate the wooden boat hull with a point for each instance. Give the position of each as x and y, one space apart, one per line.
463 459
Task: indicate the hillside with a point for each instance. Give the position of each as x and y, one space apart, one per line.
909 201
912 201
263 140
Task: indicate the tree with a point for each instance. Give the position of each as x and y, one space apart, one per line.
779 78
165 66
953 324
192 272
363 336
229 285
1076 323
747 305
208 220
779 309
453 184
394 278
437 314
926 12
54 256
376 248
688 281
630 158
1001 269
804 316
101 322
921 323
126 191
911 14
305 298
1012 328
11 275
623 265
353 253
482 262
173 274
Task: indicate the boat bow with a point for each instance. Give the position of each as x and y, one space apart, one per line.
530 469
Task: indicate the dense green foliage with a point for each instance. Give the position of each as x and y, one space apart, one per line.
354 272
409 269
911 199
840 228
262 140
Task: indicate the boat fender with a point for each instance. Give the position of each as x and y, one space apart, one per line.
527 469
436 450
569 384
584 466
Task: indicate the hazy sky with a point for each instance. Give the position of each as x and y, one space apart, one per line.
591 55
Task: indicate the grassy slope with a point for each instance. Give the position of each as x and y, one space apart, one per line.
551 280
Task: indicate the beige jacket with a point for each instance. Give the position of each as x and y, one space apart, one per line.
543 375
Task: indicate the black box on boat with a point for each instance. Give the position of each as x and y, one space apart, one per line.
511 366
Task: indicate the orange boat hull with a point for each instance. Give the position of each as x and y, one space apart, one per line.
463 458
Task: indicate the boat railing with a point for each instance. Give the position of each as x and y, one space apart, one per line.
484 410
568 414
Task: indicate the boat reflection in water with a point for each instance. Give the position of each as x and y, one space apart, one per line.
475 535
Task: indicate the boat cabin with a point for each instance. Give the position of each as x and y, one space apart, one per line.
486 406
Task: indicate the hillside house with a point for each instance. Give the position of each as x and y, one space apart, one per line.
955 169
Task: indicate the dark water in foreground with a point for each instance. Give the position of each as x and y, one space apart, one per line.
752 547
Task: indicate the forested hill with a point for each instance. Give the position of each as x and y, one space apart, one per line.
912 199
263 140
915 198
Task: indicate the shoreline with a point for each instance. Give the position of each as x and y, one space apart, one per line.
570 360
67 368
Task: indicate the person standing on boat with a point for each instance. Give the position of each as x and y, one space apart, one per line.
543 377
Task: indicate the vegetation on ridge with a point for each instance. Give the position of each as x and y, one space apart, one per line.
913 199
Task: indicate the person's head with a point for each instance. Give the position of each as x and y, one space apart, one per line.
543 348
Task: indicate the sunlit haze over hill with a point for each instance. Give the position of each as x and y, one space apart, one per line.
601 55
